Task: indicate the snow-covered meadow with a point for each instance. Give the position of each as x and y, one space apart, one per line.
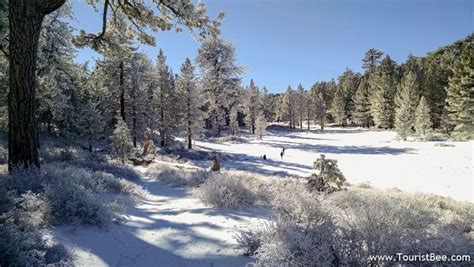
364 156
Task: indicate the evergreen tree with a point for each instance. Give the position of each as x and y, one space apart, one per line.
91 123
219 79
122 140
309 106
382 98
233 121
319 96
348 83
251 105
329 178
371 60
261 125
287 107
300 97
407 99
423 122
191 100
362 114
337 110
460 93
164 100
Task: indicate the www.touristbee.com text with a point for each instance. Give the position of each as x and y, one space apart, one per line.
429 257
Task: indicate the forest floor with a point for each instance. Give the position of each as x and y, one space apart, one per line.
171 227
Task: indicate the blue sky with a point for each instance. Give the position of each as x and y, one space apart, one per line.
283 43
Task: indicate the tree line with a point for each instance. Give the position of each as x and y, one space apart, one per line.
422 94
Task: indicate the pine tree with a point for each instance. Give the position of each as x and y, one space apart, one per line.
309 106
233 121
91 123
300 98
190 99
329 178
287 107
362 114
320 98
460 93
338 111
164 100
382 98
122 140
251 105
261 125
407 99
219 79
371 60
423 122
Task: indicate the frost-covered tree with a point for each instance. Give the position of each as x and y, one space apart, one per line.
234 121
460 92
382 99
320 99
25 18
122 140
164 100
252 105
407 99
371 60
300 98
309 107
266 103
220 79
140 80
91 123
287 107
328 177
261 125
362 114
56 74
423 122
338 110
190 101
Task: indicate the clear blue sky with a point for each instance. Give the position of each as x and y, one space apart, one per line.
303 41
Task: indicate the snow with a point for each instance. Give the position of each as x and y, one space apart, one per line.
172 228
169 228
364 156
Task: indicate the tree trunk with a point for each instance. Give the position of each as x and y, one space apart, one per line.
90 147
25 18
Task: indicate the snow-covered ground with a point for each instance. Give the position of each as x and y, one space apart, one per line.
169 228
363 156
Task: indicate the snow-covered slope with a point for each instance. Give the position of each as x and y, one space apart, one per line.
363 156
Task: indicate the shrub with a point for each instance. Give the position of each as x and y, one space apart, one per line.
24 241
329 178
178 176
221 190
287 243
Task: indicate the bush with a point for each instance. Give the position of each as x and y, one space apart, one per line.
24 240
223 191
287 243
31 200
178 177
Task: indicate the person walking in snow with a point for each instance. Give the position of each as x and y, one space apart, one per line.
281 154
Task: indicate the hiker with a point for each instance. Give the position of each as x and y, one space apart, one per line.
281 154
216 167
264 157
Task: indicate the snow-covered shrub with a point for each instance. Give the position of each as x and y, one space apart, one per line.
24 241
287 243
178 177
374 222
329 178
115 169
224 191
122 140
72 194
292 200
